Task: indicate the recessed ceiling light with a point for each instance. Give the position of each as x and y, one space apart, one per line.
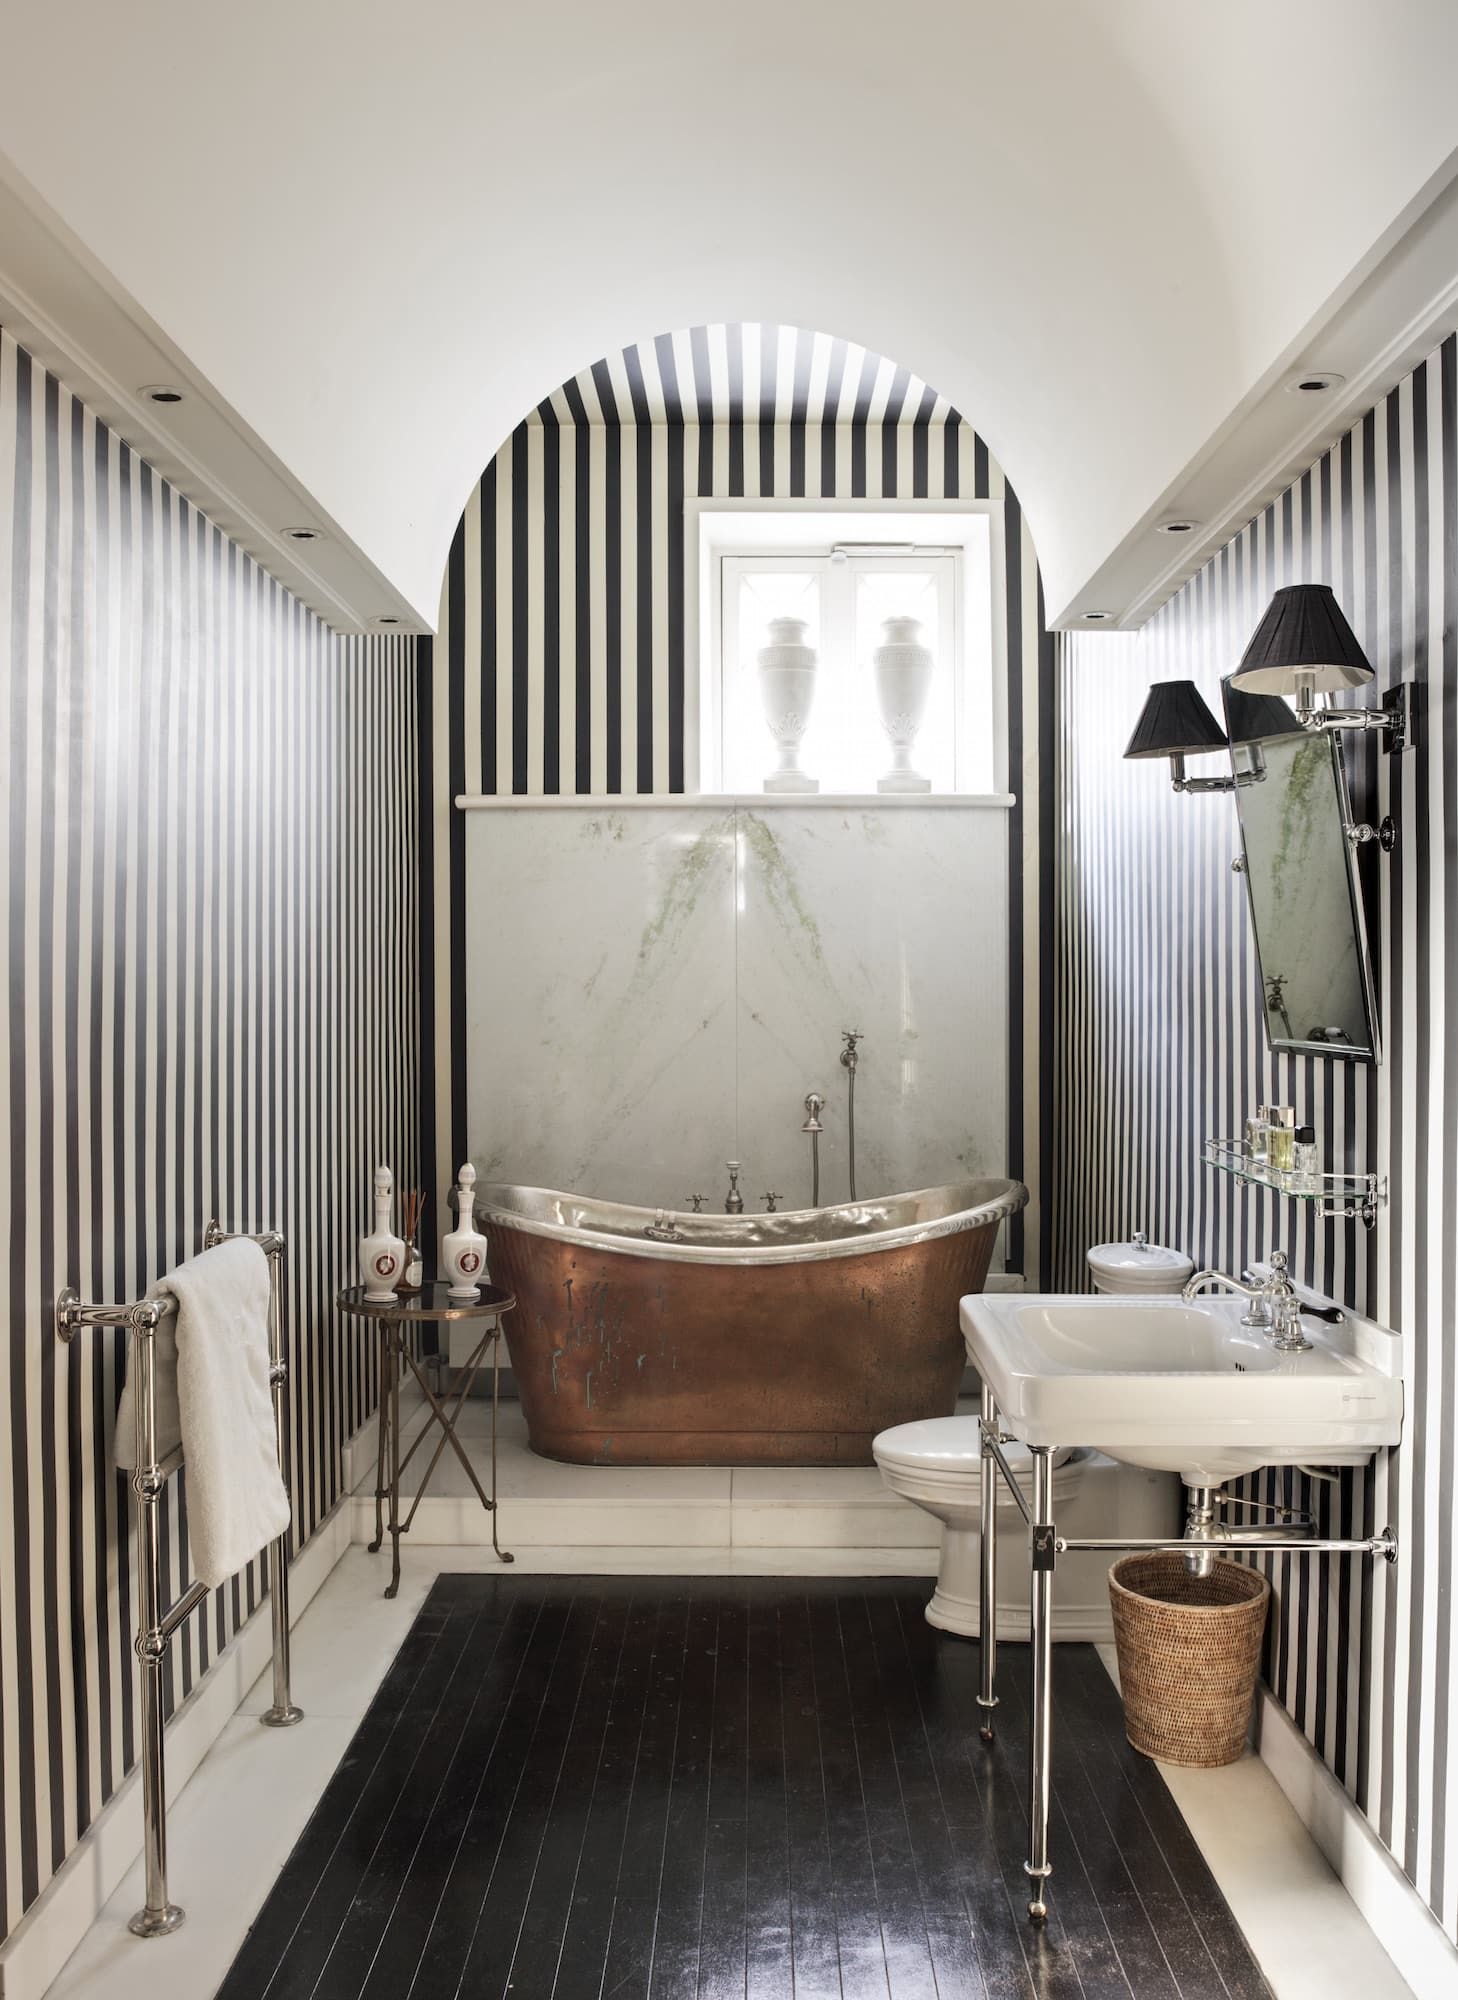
1177 527
1312 382
387 618
304 534
161 392
1096 617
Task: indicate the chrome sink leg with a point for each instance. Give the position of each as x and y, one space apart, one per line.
987 1592
1039 1785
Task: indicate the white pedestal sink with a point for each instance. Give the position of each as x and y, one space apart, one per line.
1182 1386
1175 1385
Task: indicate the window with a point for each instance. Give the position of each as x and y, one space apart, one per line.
841 578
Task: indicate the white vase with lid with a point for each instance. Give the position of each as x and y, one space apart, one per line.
787 670
903 670
382 1253
463 1251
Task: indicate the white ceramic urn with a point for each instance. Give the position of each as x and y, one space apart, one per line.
463 1251
903 670
787 668
382 1253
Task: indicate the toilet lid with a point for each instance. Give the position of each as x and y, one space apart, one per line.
949 1444
1141 1263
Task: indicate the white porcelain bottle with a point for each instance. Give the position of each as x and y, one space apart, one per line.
463 1251
381 1254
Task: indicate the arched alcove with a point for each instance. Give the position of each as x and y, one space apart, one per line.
565 662
563 611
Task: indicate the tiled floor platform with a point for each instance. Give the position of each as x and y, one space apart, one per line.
756 1510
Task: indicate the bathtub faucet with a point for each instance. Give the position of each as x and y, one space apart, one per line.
814 1105
734 1200
852 1037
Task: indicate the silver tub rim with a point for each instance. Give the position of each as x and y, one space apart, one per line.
777 1239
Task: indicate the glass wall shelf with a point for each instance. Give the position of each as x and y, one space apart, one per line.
1347 1196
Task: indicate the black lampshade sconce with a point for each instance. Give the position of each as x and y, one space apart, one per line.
1176 723
1304 647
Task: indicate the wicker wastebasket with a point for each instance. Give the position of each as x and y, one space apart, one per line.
1189 1650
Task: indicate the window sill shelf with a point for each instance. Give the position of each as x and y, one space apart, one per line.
772 801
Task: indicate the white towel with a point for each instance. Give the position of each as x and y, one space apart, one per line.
213 1394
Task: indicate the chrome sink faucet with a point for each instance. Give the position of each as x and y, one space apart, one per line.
734 1200
1276 1294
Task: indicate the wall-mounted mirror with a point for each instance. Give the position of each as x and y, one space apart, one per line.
1301 882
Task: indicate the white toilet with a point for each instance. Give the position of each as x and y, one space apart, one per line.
937 1463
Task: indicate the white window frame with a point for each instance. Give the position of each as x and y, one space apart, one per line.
783 533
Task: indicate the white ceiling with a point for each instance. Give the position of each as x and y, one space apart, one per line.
370 235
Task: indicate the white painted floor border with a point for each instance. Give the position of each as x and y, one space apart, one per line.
1400 1920
1290 1899
76 1894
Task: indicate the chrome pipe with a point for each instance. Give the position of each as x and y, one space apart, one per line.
1257 1541
283 1712
1201 1528
144 1317
987 1586
1040 1751
182 1610
814 1105
995 1444
849 1060
157 1915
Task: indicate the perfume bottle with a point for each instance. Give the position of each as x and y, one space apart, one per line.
463 1251
1257 1135
1306 1168
381 1254
1281 1145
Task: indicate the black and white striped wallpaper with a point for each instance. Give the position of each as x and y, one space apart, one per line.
1160 1045
210 828
561 657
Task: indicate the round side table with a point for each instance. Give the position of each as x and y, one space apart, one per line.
395 1318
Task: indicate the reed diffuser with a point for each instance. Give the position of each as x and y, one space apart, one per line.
412 1207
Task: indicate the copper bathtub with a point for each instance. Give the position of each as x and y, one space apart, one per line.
787 1339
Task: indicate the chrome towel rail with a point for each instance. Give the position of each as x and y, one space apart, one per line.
156 1625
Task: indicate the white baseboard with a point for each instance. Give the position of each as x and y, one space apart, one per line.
76 1894
1396 1914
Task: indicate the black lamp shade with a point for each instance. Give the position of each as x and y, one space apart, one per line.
1256 718
1303 637
1175 723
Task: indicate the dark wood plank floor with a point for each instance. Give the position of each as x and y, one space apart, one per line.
686 1789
